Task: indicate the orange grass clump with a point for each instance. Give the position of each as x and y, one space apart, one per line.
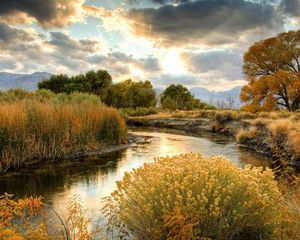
32 131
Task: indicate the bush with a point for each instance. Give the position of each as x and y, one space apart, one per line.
139 111
224 117
193 197
244 136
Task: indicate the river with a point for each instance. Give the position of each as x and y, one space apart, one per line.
94 178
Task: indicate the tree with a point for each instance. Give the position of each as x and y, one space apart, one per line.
57 83
272 68
169 103
130 94
180 95
92 82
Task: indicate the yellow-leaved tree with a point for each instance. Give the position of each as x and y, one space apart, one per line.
272 68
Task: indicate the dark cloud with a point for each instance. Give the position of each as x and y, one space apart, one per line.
291 7
210 22
48 13
10 36
69 47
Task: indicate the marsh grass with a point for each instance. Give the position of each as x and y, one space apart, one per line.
34 131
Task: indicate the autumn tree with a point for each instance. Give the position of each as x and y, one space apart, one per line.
272 68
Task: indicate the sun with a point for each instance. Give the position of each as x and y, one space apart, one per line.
172 63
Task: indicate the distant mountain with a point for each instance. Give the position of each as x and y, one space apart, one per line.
219 99
24 81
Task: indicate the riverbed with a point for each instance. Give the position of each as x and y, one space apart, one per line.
94 178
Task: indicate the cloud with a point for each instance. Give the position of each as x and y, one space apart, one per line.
291 7
69 47
48 13
226 64
208 22
122 66
25 51
10 36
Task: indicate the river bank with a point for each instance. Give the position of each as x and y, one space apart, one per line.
131 140
263 137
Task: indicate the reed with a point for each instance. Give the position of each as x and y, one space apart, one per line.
34 131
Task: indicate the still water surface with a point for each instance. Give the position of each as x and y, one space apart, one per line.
94 178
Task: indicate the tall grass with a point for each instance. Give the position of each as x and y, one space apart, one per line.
33 131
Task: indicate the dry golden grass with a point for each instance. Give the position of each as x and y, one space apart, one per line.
280 127
31 131
245 135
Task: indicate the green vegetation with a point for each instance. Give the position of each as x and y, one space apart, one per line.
42 126
92 82
178 97
193 197
133 98
130 94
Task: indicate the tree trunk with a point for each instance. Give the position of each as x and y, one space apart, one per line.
295 104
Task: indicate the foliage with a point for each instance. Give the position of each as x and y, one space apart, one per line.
179 97
272 67
244 136
16 219
130 94
33 130
139 111
193 197
169 104
28 219
92 82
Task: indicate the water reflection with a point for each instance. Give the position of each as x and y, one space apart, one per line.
95 177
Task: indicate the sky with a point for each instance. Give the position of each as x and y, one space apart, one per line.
197 43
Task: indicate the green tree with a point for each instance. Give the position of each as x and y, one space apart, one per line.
169 103
180 95
56 83
130 94
118 95
92 82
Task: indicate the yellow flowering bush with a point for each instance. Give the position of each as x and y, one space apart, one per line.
194 197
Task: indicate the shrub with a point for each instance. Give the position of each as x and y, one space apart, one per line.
224 117
264 115
280 128
247 115
244 136
193 197
27 219
139 111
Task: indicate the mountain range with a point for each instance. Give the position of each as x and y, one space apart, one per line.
30 81
24 81
220 99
